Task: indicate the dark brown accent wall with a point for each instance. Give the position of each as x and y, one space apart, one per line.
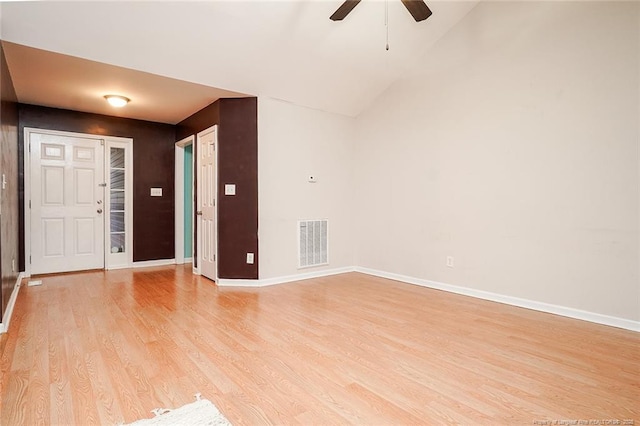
237 163
199 121
153 162
9 194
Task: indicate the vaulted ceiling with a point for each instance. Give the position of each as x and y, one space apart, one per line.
287 50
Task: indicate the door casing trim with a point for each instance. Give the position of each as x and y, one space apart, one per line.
179 198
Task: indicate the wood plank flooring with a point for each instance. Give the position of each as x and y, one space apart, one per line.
108 347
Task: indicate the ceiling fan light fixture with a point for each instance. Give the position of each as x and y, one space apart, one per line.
417 8
117 101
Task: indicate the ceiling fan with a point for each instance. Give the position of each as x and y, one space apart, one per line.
417 8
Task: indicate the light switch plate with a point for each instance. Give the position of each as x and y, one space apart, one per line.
156 192
229 189
250 258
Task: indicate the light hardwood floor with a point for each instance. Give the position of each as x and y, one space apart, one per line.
108 347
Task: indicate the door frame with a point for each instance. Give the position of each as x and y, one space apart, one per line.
198 243
26 162
179 199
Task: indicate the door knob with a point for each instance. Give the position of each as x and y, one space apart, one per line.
99 210
199 213
99 201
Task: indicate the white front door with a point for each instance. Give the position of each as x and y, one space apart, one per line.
207 190
67 193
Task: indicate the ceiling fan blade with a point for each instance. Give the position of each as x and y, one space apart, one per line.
418 9
344 10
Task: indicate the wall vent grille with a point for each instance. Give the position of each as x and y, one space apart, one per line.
313 246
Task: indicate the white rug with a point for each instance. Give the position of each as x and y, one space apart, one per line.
199 413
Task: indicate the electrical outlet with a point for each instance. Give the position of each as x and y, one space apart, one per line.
250 258
450 261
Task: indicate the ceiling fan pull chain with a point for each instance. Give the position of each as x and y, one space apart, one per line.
386 20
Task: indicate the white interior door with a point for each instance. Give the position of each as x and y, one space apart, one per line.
207 190
67 221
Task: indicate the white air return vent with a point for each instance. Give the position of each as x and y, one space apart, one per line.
313 243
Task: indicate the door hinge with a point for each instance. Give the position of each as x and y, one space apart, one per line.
102 142
29 146
29 203
214 202
29 260
214 257
102 184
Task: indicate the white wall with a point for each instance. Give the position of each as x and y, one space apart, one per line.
295 142
514 148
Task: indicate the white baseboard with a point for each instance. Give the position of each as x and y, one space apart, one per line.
114 267
227 282
188 260
148 263
224 282
510 300
4 325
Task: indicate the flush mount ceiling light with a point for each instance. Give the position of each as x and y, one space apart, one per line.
117 100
